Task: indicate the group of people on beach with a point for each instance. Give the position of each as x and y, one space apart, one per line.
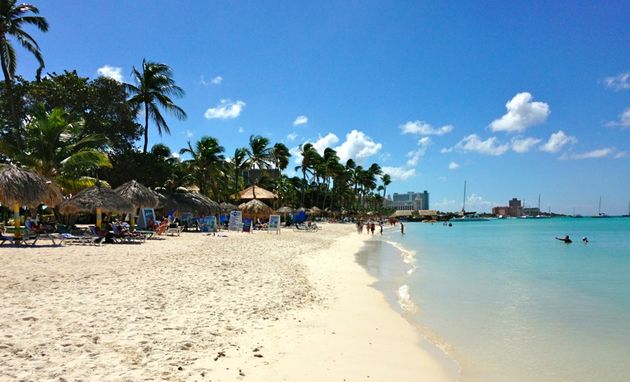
370 226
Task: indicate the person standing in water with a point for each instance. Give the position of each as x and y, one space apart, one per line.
566 239
402 228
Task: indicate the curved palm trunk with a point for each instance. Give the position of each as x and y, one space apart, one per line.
303 188
8 83
146 127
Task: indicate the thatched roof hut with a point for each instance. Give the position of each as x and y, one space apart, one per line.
26 188
261 193
315 211
190 202
255 208
284 210
228 207
90 199
139 195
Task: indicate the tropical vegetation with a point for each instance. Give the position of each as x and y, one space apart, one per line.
77 131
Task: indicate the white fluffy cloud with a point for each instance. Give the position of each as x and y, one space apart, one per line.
453 166
399 173
216 80
415 155
521 113
357 146
112 72
624 120
292 136
226 109
523 145
557 141
322 143
594 154
423 128
241 130
619 82
300 120
472 143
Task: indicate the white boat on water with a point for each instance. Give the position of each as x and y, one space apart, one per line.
468 216
600 214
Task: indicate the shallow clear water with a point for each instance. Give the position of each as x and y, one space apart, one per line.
509 302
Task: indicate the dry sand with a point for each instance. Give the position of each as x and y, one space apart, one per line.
257 307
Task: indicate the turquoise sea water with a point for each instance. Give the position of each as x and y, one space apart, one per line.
508 302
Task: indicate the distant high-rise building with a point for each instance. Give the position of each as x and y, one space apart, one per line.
410 201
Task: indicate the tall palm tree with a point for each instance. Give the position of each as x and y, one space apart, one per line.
258 156
387 180
307 151
239 164
280 154
206 162
12 19
153 89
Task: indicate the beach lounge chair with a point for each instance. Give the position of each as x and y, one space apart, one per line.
174 230
6 239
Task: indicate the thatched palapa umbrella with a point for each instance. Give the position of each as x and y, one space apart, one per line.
21 187
261 193
228 207
315 211
96 199
139 195
191 201
284 210
255 209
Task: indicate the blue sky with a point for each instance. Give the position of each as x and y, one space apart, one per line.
517 99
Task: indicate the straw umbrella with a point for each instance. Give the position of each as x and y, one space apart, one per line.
139 195
96 199
315 211
191 201
255 209
228 207
21 187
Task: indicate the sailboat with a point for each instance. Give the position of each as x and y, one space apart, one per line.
600 214
628 215
468 217
540 214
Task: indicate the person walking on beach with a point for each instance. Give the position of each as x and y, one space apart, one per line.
372 227
402 228
381 227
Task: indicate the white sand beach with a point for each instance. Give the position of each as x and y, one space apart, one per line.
257 307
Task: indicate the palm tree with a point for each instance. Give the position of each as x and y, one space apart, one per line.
307 152
387 180
206 162
12 18
57 149
239 164
154 86
258 156
280 154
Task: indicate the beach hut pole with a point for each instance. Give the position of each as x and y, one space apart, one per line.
99 217
16 219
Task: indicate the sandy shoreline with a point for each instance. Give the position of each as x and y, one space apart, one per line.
259 307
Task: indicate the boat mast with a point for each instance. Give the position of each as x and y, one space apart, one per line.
464 203
599 209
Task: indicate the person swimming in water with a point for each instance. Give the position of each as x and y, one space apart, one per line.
585 240
566 239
